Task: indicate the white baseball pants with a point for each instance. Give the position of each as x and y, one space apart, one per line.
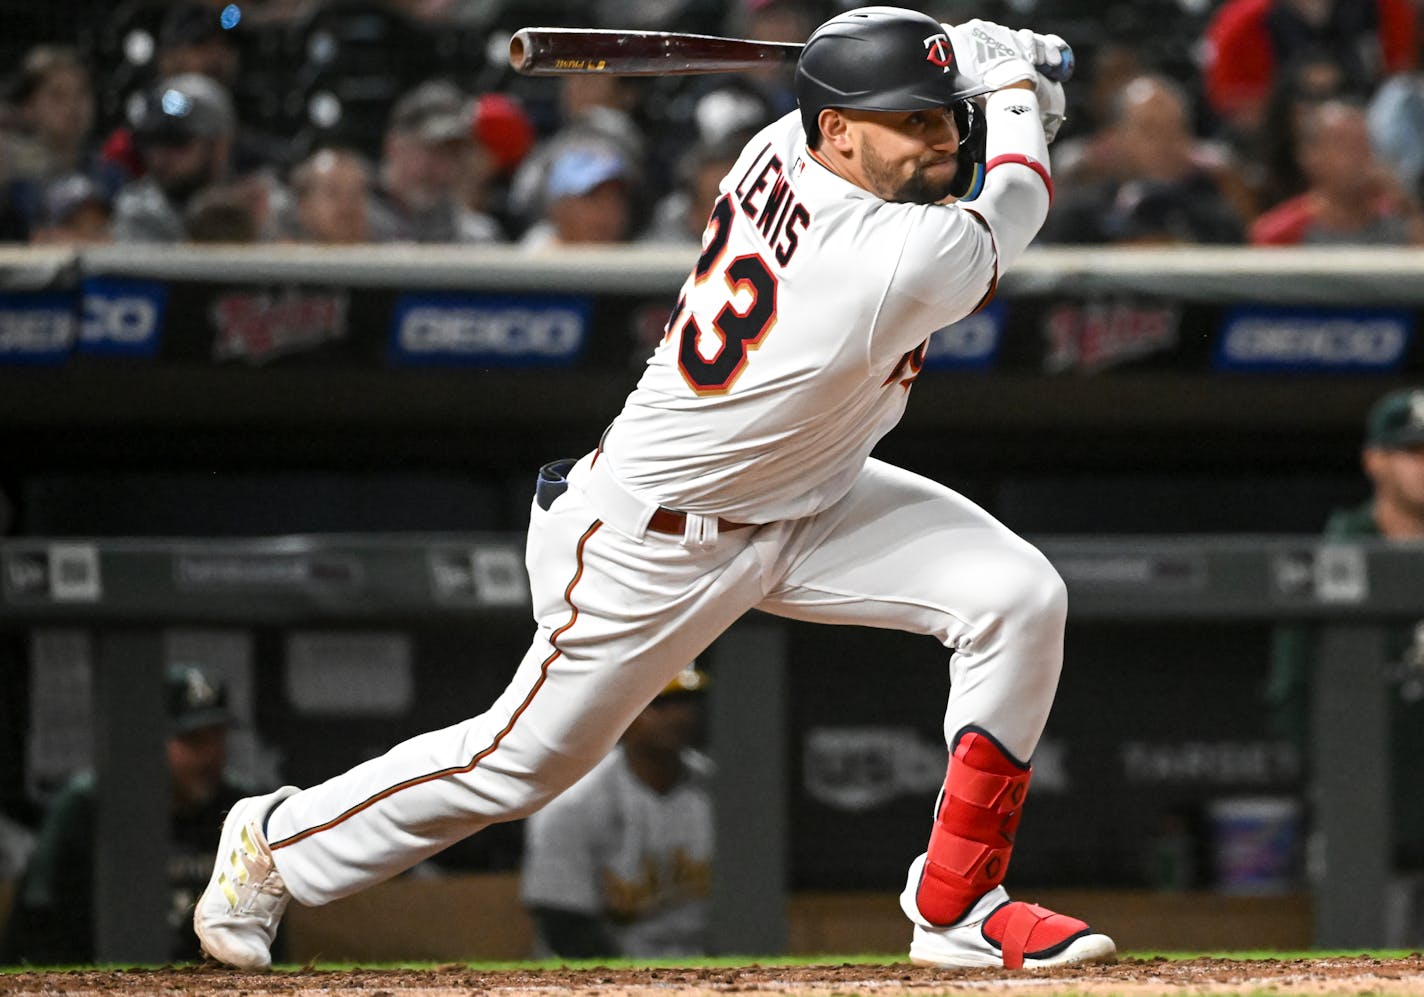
620 611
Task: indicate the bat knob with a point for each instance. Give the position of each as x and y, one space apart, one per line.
1062 70
520 47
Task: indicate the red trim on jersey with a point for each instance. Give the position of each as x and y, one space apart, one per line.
486 752
816 155
1022 160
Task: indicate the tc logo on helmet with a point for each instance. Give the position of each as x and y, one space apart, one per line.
938 51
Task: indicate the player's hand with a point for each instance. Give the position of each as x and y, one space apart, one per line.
990 53
1049 54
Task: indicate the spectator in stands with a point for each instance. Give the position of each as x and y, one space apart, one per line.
1170 186
619 865
593 109
501 136
53 916
1393 461
333 197
192 39
1298 89
682 215
77 213
777 21
587 194
51 110
1083 152
197 37
425 146
1350 198
1248 41
185 135
222 213
1396 119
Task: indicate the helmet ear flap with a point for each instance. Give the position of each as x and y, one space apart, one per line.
973 133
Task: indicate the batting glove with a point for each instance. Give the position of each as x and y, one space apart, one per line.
990 53
1049 54
1053 58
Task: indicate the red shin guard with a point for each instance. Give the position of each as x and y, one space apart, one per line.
973 833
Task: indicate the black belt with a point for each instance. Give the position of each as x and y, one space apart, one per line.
554 481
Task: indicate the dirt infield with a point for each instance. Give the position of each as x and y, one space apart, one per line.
1137 977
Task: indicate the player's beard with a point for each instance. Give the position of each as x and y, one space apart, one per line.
888 184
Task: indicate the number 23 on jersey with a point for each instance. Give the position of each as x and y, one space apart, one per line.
749 279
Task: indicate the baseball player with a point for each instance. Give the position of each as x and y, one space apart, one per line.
739 476
620 864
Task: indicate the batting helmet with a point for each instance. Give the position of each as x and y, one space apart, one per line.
878 59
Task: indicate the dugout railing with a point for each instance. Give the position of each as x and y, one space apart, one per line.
125 591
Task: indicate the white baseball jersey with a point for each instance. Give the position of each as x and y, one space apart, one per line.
614 848
794 342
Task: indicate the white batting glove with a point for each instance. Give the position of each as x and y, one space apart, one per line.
990 53
1049 54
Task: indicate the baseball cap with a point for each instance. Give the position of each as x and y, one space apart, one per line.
436 112
190 23
1396 421
184 107
501 125
195 702
580 168
65 196
690 679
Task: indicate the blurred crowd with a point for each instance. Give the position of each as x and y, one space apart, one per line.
1269 122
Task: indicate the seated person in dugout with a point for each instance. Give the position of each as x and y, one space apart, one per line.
52 921
619 865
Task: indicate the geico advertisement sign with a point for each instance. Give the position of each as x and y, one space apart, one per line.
1304 339
491 331
37 328
122 317
109 317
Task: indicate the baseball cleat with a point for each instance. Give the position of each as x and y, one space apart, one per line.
237 916
1012 935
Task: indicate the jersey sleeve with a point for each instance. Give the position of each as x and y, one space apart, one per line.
947 267
560 867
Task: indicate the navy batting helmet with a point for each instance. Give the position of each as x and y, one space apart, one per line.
878 59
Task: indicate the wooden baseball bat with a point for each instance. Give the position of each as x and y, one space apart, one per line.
570 51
